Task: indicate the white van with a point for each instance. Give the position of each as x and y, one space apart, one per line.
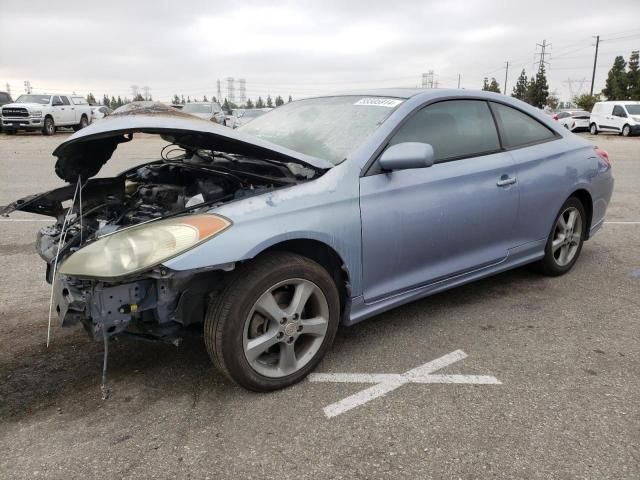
622 116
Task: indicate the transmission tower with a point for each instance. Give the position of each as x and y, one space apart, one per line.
243 90
27 86
543 53
571 82
219 97
231 89
146 91
427 79
135 90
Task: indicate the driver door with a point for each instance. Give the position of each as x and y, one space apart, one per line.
57 110
424 225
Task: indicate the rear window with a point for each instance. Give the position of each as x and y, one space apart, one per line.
79 101
519 129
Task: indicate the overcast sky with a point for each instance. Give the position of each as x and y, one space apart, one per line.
303 48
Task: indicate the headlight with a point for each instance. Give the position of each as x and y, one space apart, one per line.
36 113
143 246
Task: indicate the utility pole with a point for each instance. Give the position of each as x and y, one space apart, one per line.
219 98
595 61
506 75
459 76
8 88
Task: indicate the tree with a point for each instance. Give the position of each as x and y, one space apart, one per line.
182 100
491 87
269 102
91 99
226 107
633 76
120 102
553 102
138 98
538 90
586 101
176 99
259 103
279 101
616 86
105 100
113 103
520 91
249 103
188 99
204 99
290 99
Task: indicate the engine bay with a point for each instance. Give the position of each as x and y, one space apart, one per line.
190 182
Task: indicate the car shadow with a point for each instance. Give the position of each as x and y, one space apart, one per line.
69 371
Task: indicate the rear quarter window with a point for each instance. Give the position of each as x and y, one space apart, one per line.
79 101
518 129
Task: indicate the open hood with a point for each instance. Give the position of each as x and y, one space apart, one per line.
86 151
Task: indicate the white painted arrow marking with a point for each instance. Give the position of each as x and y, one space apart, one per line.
387 382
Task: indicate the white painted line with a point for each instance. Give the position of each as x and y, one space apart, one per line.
621 223
387 382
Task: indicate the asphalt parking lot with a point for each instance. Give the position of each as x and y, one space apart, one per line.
565 353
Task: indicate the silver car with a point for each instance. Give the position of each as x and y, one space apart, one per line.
207 111
325 211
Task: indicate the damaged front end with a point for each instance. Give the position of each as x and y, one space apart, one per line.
106 249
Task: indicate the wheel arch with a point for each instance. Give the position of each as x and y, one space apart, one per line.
587 202
327 257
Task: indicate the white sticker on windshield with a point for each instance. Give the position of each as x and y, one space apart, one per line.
379 102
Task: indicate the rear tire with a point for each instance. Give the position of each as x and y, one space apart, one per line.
593 129
626 131
49 127
83 123
259 335
565 240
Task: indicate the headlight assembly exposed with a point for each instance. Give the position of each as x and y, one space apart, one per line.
143 246
36 113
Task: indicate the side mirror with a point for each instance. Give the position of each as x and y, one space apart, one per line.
403 156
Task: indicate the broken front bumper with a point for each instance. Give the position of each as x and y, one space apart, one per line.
112 308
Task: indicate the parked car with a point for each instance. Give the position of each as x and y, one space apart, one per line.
99 111
33 112
207 111
245 115
574 120
275 233
5 98
622 117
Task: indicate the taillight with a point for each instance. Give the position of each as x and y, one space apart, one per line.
555 117
603 155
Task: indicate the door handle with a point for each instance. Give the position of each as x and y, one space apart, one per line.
505 181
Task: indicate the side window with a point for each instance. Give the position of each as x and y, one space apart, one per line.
562 115
618 111
65 100
454 128
519 129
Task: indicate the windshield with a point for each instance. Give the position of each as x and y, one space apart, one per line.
633 109
42 99
329 128
197 108
252 113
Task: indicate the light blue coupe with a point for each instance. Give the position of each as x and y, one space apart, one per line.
325 210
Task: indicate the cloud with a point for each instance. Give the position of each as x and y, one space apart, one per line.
299 47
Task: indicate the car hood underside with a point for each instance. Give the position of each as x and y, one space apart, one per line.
85 152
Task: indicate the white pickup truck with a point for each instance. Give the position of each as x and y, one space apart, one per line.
33 112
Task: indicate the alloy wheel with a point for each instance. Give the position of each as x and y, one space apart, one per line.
285 328
567 236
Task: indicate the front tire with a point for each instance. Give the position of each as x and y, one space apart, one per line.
49 127
273 322
565 240
593 129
